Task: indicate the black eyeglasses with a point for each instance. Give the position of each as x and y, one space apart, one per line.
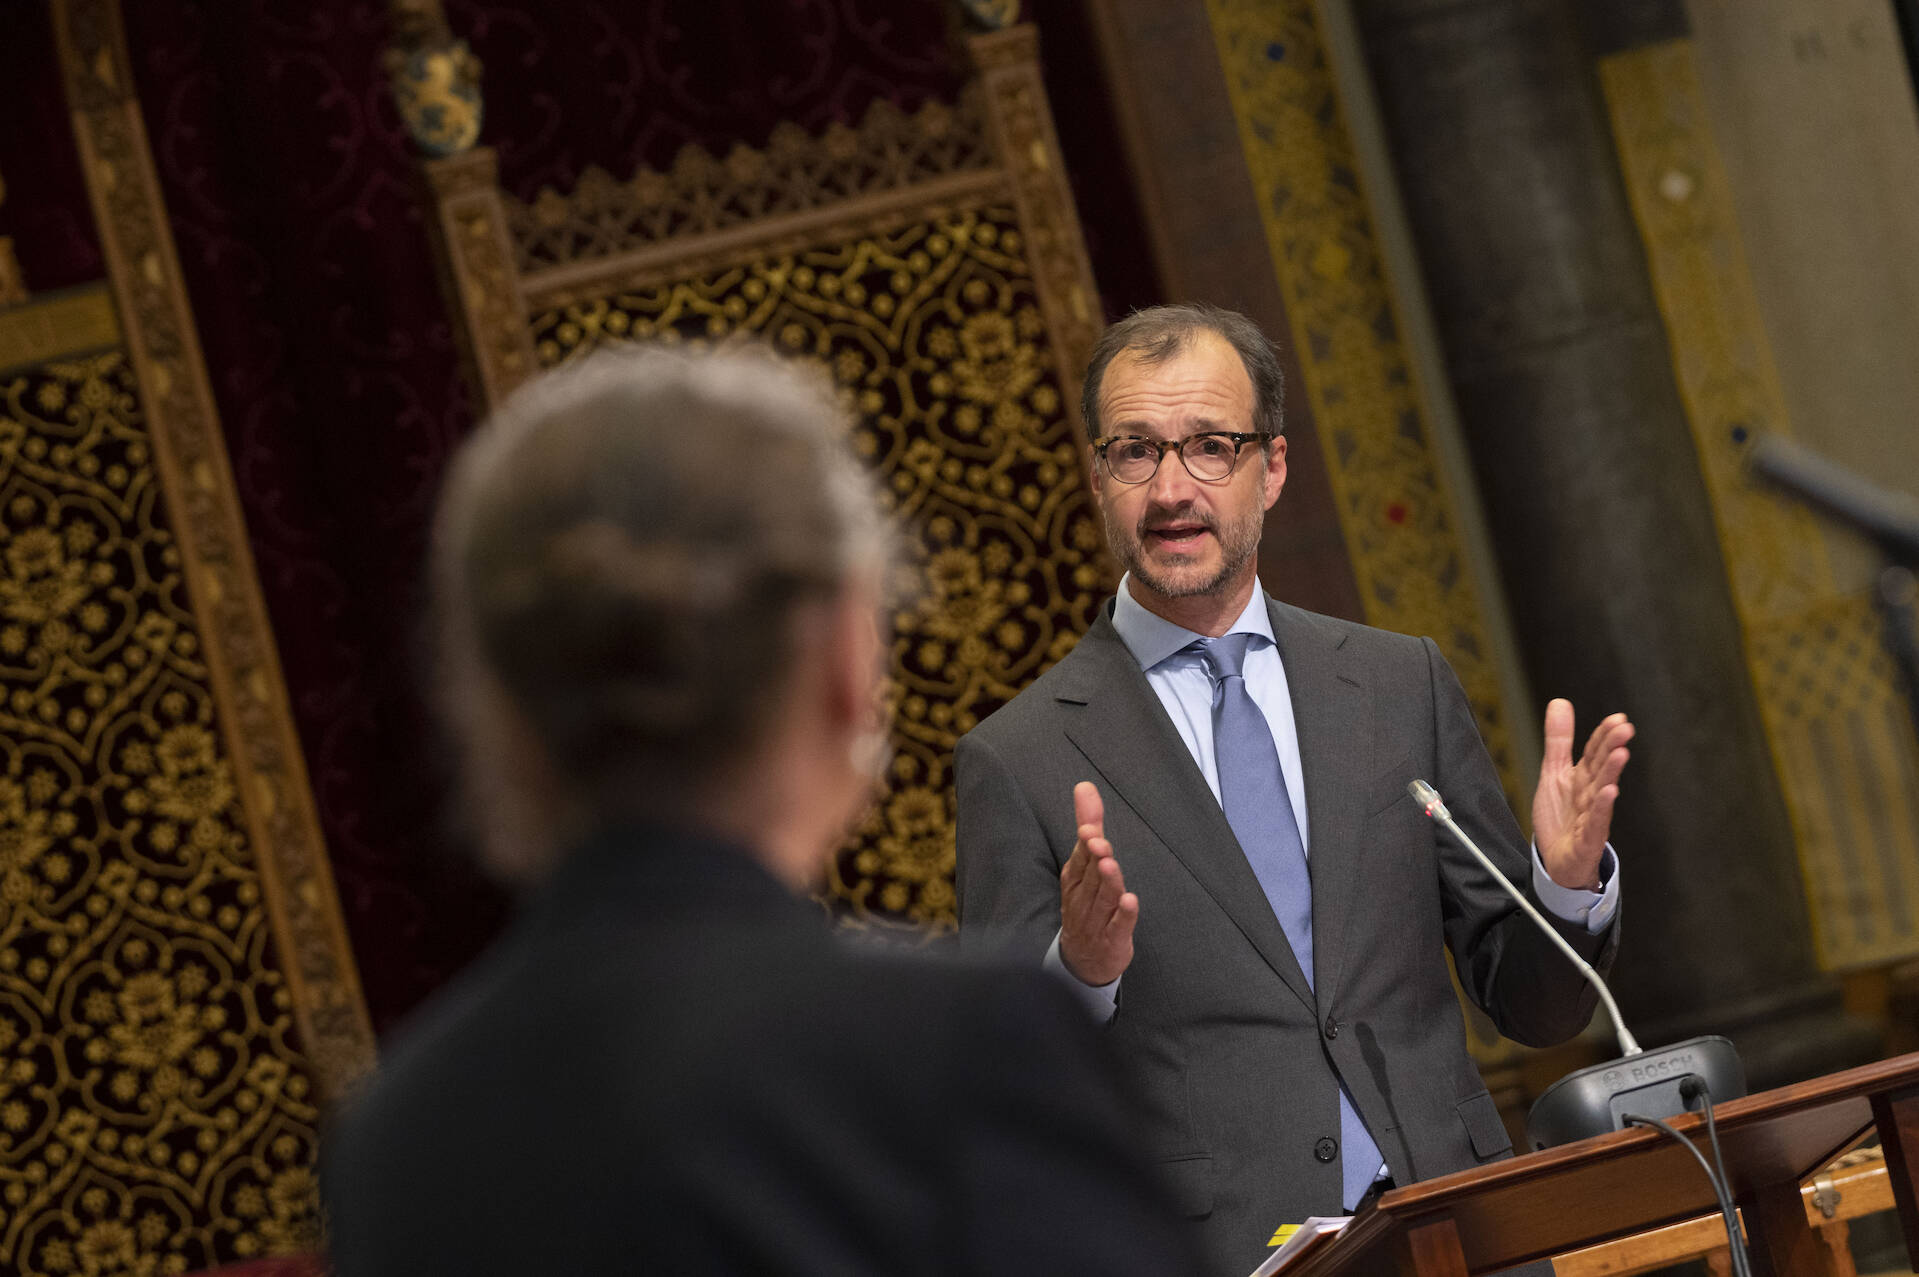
1208 457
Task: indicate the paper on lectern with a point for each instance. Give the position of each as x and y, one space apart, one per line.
1309 1236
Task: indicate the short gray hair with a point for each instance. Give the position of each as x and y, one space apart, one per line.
1160 332
619 556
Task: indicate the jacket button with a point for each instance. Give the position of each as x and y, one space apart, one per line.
1332 1028
1326 1149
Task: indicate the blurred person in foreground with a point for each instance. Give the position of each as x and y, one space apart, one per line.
657 584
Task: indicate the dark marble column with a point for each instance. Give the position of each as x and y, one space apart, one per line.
1559 363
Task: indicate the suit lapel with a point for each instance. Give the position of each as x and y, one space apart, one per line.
1124 733
1332 713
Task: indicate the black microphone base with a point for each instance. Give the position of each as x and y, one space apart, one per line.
1594 1100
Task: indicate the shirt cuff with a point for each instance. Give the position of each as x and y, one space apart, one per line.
1101 1000
1594 909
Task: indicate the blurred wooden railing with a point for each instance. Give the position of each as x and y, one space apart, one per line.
1852 1186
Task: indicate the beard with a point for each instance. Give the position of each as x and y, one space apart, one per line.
1238 540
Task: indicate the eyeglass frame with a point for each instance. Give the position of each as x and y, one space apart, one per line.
1240 440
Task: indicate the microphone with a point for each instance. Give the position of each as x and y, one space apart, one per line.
1890 518
1428 798
1598 1098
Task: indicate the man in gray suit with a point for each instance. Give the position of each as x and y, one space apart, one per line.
1200 817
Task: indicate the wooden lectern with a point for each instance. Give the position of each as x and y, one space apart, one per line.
1613 1185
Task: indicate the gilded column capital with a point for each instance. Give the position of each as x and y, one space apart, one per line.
991 15
435 79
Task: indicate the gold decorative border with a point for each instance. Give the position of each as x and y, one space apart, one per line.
190 456
58 326
1841 739
477 254
1027 147
788 233
1394 508
794 173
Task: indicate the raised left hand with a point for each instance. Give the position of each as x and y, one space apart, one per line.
1572 808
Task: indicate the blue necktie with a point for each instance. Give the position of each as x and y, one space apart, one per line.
1253 792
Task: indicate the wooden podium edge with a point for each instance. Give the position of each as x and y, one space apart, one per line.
1862 1083
1890 1089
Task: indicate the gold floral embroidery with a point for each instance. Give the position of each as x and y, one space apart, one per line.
933 333
148 1088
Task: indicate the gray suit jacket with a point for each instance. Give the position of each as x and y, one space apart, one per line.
1235 1060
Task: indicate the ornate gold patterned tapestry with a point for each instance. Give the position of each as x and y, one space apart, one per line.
176 999
932 264
1394 508
931 328
1835 716
156 1113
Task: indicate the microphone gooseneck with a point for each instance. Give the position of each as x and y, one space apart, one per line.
1430 802
1614 1094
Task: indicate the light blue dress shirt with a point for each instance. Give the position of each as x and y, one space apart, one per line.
1180 680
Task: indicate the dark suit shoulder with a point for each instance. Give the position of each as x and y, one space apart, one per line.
1020 1000
1351 636
939 1007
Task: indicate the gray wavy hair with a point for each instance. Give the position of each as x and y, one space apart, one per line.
618 558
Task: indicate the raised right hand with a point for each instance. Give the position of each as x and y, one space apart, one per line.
1096 912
